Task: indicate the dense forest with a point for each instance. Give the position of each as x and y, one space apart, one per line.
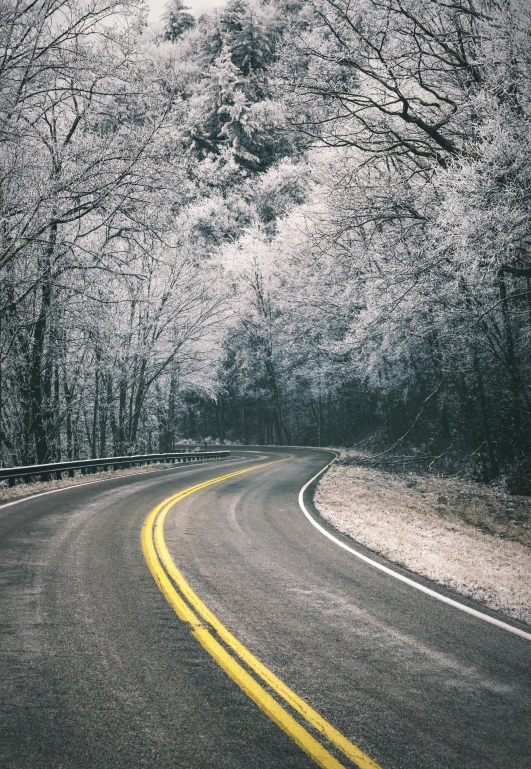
292 222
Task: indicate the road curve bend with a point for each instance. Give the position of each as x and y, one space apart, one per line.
99 669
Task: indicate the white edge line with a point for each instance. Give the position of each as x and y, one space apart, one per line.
100 480
400 577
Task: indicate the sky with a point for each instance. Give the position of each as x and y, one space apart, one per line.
196 7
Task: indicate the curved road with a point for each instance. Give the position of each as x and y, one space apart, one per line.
98 672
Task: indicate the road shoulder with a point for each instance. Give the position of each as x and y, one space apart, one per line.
423 526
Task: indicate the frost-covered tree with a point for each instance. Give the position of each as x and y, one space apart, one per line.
248 30
292 222
177 20
88 183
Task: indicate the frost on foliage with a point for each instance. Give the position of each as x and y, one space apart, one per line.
177 20
231 111
248 34
345 184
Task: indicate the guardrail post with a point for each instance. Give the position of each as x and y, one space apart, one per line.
55 470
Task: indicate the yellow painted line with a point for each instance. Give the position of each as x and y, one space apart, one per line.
265 701
153 532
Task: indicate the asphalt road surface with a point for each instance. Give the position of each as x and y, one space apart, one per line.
98 671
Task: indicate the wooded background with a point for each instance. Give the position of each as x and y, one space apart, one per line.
283 222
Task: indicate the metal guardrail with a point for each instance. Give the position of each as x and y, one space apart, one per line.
56 469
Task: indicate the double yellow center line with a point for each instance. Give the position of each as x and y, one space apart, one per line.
217 640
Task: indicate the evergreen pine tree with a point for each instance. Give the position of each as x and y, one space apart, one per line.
246 35
177 20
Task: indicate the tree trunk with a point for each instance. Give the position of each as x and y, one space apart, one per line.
494 469
57 423
35 378
94 440
514 370
37 395
121 417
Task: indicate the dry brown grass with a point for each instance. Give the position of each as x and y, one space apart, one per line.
472 538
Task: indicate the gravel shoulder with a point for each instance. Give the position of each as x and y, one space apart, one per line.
470 537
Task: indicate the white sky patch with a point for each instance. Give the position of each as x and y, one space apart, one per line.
197 7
